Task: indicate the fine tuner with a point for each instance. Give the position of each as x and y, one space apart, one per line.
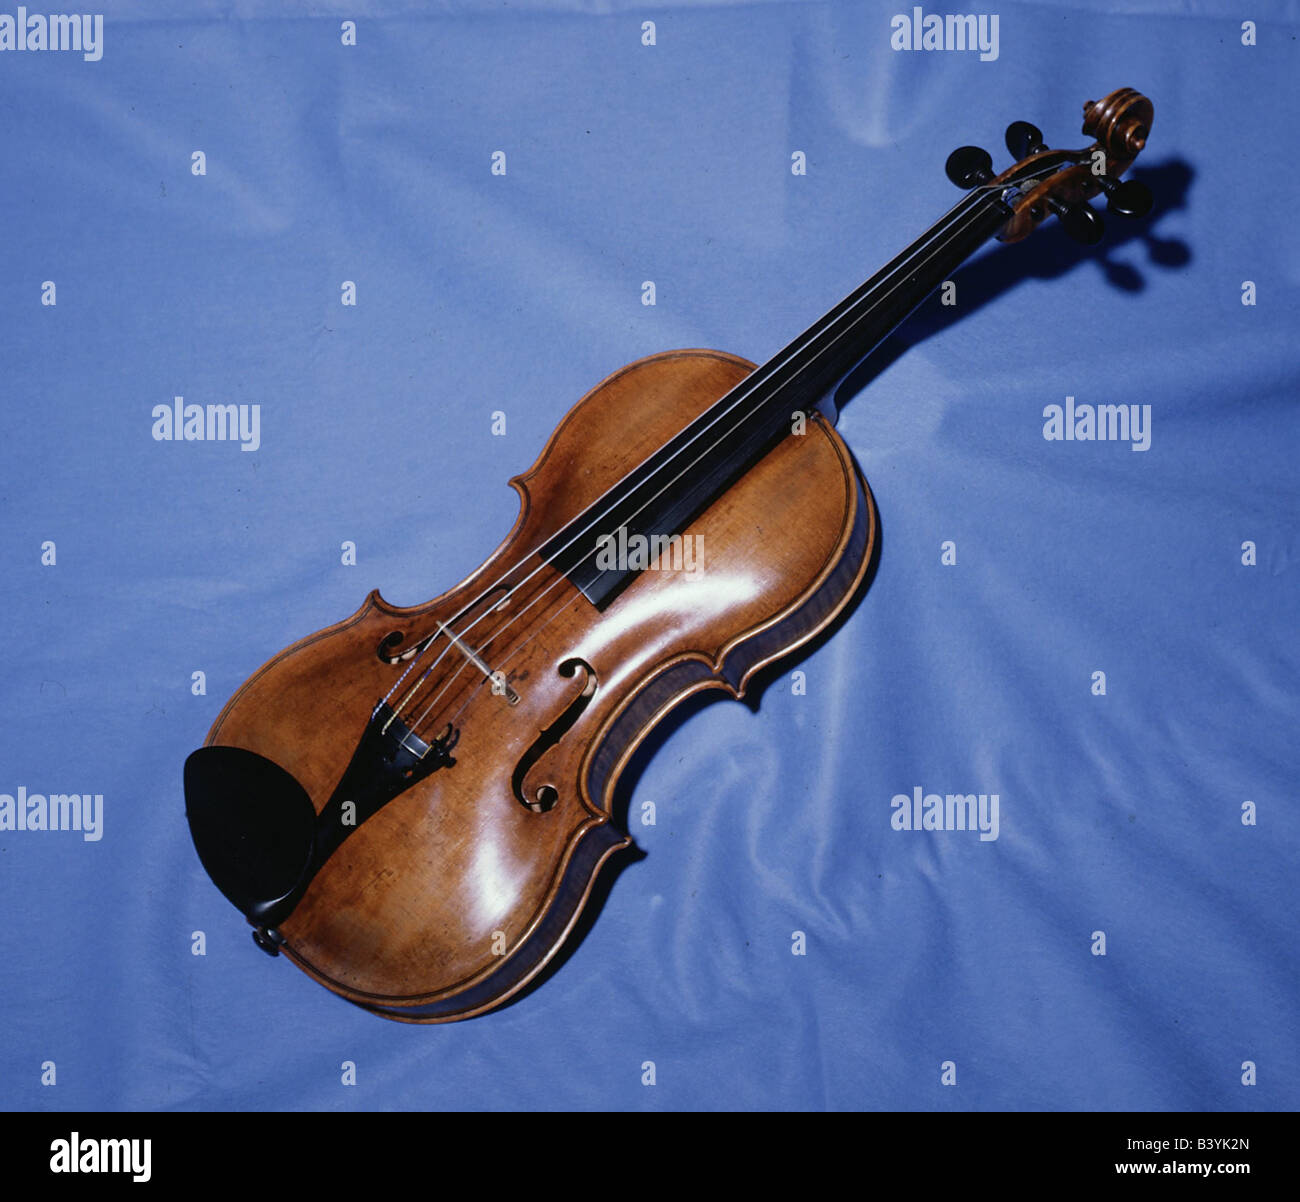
1120 123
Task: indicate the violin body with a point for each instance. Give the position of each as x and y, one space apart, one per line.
453 895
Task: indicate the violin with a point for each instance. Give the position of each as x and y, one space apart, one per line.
413 805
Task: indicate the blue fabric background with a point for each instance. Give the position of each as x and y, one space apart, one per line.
478 293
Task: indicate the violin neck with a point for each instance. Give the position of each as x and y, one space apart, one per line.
814 364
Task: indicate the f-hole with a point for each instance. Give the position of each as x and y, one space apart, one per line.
548 795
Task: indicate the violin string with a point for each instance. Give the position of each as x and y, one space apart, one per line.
967 204
928 250
945 225
923 248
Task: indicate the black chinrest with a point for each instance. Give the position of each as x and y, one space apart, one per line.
253 826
